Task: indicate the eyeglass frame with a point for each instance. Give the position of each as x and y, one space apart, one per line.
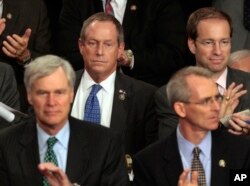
208 101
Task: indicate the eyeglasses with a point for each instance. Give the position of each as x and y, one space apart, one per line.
209 101
209 43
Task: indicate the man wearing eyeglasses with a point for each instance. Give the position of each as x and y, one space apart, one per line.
209 39
197 144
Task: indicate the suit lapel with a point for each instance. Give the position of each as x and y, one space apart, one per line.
120 105
78 154
220 159
29 155
173 165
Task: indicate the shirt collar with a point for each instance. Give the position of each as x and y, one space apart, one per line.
222 80
187 147
107 84
62 136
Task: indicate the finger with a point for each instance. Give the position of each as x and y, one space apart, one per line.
183 178
27 34
194 177
233 124
235 132
9 52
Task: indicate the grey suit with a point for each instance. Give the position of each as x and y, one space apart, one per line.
95 155
241 36
160 164
168 119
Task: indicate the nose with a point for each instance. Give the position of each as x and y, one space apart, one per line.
216 105
51 100
99 49
217 48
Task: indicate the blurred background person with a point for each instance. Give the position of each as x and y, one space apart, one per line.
240 60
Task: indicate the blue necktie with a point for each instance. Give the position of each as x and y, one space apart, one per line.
92 108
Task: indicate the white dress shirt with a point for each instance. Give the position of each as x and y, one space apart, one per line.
105 97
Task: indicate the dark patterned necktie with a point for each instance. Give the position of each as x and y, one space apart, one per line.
92 111
50 156
197 166
247 14
109 8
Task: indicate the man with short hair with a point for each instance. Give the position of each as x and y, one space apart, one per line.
89 154
125 104
198 144
209 39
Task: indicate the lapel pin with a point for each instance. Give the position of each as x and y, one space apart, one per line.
122 94
9 16
133 7
222 163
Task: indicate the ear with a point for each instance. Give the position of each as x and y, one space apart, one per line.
72 95
191 45
80 46
180 109
29 98
121 49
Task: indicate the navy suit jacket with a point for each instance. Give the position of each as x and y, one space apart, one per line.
154 30
95 155
167 117
160 164
134 117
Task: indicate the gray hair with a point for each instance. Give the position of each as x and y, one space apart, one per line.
237 55
46 65
101 16
177 87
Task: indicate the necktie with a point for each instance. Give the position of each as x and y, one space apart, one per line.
92 108
109 8
197 166
50 156
246 14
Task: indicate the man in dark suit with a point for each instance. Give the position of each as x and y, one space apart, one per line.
25 36
195 98
126 104
209 39
154 31
8 91
89 154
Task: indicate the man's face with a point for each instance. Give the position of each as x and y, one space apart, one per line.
100 49
201 112
51 97
213 44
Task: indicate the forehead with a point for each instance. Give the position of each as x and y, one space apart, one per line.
201 87
56 79
213 29
105 28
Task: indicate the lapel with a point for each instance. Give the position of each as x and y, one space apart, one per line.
120 105
78 153
11 15
173 165
220 155
29 155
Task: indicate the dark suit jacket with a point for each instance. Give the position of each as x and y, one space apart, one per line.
21 15
167 117
134 117
160 164
154 30
95 155
8 90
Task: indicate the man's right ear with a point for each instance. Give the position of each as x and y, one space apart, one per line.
180 109
191 45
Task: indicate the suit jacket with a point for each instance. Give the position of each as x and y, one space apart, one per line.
95 155
154 30
161 165
21 15
134 117
241 36
167 117
8 91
